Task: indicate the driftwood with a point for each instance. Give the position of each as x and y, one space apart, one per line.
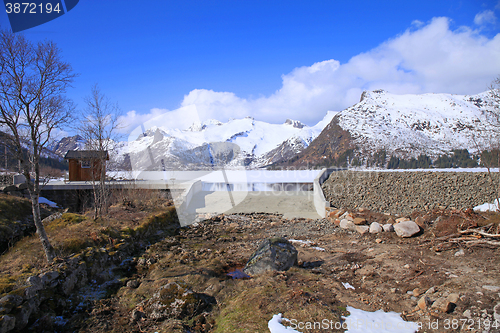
481 231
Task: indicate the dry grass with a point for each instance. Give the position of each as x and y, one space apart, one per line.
71 234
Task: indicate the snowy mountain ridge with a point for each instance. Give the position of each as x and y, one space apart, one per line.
408 125
238 142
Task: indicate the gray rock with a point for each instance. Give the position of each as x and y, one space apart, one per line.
49 278
7 323
460 253
346 224
35 282
10 301
375 228
275 254
10 188
443 305
24 313
388 227
406 229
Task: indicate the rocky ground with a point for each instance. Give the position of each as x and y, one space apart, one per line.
404 192
443 280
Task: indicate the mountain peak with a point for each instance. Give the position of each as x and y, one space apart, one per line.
294 123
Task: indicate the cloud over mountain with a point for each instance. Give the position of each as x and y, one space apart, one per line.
427 57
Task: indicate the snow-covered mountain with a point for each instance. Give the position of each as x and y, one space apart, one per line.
404 126
411 124
238 142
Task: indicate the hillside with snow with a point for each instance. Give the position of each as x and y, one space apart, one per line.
404 126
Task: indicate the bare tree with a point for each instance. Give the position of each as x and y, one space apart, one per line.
33 83
99 129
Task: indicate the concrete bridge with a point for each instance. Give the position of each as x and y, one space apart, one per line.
201 193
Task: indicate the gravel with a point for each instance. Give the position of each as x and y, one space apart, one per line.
402 193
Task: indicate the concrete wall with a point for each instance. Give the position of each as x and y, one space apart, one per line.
320 203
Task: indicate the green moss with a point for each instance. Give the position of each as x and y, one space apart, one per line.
66 220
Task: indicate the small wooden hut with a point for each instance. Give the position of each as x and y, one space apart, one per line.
86 165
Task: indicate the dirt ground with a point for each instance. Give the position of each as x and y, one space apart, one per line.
439 267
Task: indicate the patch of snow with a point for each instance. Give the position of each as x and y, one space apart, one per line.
318 248
347 285
275 325
46 201
360 321
302 242
493 207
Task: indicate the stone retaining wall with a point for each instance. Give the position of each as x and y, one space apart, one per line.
404 192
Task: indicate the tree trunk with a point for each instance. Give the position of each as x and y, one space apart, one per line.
40 230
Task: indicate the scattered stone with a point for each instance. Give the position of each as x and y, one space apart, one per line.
378 240
406 266
442 304
453 298
394 290
496 313
431 290
420 221
359 221
402 219
375 228
460 253
174 300
417 292
276 254
388 227
362 229
424 302
137 315
346 224
406 229
391 221
492 288
467 314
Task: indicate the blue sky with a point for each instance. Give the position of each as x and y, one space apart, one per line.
272 59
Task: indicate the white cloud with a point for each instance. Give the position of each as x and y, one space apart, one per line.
426 58
485 17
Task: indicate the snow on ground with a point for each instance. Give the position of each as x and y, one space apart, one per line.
358 321
379 321
275 325
488 207
347 285
307 243
46 201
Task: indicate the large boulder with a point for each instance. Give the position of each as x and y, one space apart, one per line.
276 254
